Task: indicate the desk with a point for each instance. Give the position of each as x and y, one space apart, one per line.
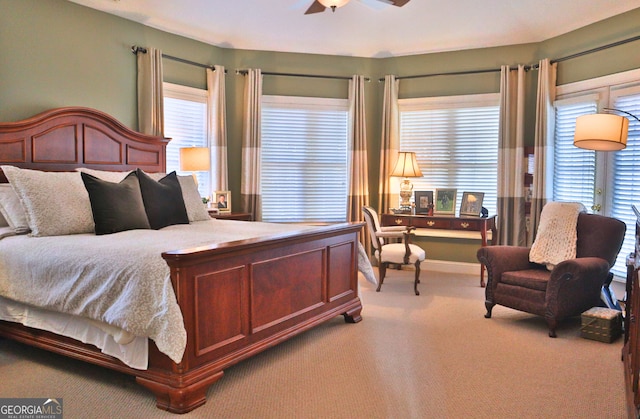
447 222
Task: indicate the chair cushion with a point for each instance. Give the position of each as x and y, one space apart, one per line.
394 253
535 279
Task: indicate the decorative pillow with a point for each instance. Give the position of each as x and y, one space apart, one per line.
163 200
56 203
116 206
196 210
12 210
114 177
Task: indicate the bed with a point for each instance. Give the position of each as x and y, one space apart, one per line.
235 297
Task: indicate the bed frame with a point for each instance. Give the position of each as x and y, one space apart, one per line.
237 298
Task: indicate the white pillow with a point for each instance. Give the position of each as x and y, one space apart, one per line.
6 232
115 177
12 210
196 210
57 203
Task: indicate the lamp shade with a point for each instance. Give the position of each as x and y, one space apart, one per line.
407 165
333 3
601 132
195 159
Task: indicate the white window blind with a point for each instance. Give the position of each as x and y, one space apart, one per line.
185 122
626 180
456 143
574 169
304 166
601 178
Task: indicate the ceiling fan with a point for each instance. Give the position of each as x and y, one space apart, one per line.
320 5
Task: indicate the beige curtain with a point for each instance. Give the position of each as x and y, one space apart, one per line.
150 95
359 184
511 216
217 127
251 148
542 189
390 143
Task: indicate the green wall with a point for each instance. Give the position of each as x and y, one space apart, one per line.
56 53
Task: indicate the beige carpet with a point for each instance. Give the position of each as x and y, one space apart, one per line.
427 356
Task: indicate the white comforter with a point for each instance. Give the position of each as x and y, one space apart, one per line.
119 279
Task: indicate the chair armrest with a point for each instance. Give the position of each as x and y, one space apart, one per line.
393 228
394 232
499 259
575 284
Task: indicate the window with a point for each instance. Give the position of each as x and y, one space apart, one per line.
304 166
185 122
456 143
605 182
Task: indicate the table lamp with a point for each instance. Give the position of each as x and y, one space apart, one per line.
406 167
195 159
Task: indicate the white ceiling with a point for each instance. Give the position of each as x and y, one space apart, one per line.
365 28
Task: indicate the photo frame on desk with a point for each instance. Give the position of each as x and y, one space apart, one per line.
471 203
424 202
445 201
222 201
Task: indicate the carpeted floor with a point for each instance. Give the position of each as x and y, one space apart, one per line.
427 356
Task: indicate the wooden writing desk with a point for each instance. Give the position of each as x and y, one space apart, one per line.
447 222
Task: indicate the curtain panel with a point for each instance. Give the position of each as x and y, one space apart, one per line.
358 183
217 127
390 144
150 92
250 193
542 187
511 214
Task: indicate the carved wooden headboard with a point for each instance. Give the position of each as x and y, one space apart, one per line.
62 139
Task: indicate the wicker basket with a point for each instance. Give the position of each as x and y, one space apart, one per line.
603 324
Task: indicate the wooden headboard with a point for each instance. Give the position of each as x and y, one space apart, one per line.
62 139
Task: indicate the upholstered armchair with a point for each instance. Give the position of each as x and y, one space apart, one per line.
567 290
387 252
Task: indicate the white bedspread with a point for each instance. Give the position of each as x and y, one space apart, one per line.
119 279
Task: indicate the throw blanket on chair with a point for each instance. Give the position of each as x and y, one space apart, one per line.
557 234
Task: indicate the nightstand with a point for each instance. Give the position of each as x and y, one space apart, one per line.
240 216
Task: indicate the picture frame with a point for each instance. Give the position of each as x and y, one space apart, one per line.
445 202
222 201
424 202
471 203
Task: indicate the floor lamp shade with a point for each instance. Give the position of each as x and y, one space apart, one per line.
601 132
195 159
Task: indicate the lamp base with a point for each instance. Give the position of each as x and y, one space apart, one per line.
406 191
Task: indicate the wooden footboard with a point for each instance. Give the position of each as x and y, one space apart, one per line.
237 299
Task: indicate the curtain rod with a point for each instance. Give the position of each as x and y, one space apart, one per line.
528 67
317 76
136 49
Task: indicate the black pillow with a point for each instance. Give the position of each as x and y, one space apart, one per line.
116 206
163 201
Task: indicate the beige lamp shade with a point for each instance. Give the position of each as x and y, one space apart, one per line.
407 165
333 4
601 132
195 159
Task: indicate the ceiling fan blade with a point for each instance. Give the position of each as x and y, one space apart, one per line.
315 7
398 3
